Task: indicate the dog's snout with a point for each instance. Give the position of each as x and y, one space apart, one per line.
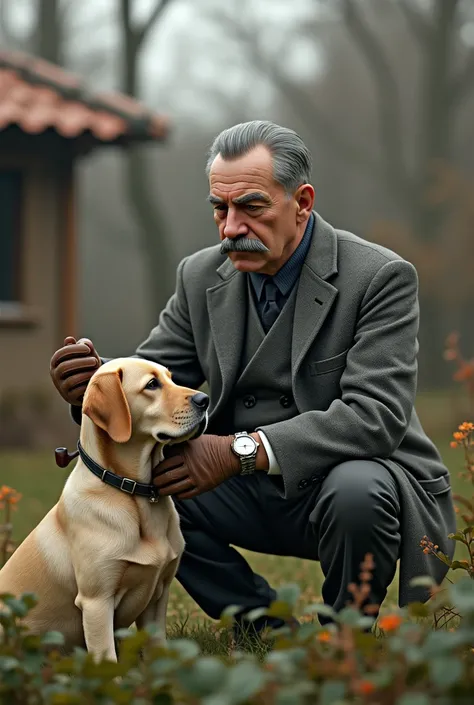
200 401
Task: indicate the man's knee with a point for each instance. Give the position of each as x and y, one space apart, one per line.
356 491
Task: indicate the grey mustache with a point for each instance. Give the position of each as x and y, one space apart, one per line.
242 244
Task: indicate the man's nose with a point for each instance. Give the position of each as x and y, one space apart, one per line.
234 224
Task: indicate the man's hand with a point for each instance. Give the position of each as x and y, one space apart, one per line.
196 466
71 368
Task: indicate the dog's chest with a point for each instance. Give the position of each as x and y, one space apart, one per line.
153 547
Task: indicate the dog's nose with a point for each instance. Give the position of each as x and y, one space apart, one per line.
200 401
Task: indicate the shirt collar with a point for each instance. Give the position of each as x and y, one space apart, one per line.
286 277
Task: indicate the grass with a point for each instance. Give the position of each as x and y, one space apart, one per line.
39 480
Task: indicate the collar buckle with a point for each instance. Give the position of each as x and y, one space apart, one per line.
127 489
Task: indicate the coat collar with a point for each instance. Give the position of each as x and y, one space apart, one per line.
321 257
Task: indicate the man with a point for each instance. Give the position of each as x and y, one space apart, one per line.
307 338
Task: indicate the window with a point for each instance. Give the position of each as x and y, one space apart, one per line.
10 231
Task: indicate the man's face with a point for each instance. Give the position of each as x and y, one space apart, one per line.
252 211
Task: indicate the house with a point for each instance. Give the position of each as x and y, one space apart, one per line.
48 121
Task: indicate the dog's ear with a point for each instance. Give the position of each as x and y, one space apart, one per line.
105 403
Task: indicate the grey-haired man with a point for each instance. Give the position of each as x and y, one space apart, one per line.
307 338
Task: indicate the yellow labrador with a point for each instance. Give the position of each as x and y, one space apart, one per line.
105 555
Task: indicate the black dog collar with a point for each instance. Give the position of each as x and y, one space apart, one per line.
121 483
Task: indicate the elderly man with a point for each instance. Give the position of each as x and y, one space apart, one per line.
307 338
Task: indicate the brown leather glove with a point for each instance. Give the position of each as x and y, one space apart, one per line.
196 466
71 368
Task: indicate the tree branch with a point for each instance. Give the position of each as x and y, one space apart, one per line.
126 20
420 28
155 14
306 110
387 94
149 216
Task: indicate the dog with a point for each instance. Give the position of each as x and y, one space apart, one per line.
104 556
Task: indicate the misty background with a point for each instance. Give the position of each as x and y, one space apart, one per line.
382 91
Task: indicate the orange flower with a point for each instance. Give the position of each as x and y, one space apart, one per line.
464 373
364 687
458 436
8 495
466 426
391 621
453 444
324 637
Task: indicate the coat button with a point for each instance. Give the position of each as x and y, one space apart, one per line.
315 480
303 484
249 401
285 401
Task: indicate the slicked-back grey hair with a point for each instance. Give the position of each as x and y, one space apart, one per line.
291 158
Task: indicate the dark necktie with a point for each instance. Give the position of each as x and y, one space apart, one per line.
271 308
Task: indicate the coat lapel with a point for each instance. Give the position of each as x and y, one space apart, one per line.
315 296
227 305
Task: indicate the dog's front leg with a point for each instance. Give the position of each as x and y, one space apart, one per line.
155 611
98 625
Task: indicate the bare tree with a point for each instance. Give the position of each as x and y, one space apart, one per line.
443 85
155 244
447 76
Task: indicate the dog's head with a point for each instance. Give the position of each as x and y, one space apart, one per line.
129 397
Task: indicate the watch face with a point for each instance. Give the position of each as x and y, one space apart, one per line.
244 445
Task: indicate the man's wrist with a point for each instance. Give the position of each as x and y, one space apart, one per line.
261 461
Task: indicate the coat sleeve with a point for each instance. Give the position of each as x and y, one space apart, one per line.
170 343
378 388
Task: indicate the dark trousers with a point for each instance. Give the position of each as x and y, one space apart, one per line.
355 511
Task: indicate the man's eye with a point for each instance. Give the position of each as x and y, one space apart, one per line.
220 207
250 207
153 384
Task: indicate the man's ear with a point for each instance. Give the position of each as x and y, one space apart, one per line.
304 197
106 405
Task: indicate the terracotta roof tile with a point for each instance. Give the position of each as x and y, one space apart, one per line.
37 95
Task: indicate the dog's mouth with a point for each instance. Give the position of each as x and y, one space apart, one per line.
185 434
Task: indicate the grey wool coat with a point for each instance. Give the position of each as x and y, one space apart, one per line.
353 369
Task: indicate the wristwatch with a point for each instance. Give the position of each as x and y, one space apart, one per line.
245 448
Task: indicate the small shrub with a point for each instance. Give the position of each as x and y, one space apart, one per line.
338 664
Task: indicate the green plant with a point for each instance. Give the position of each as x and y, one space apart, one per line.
338 664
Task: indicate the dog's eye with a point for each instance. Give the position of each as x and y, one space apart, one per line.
153 384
